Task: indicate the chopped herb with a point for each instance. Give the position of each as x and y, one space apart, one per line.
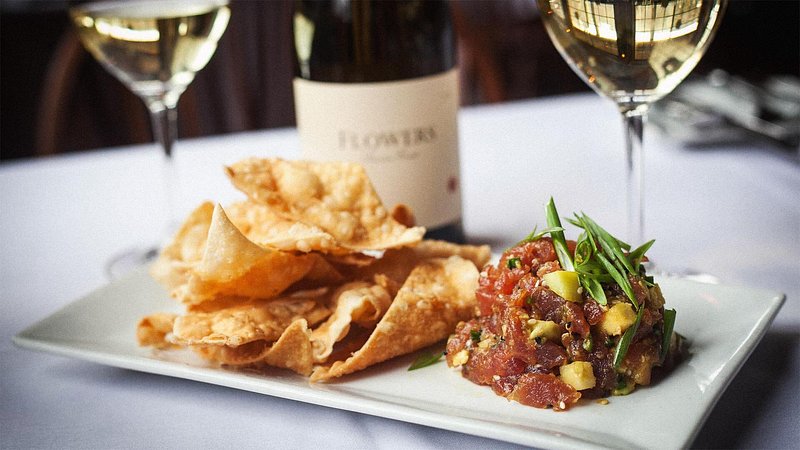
475 335
588 343
609 342
425 360
514 263
669 325
623 344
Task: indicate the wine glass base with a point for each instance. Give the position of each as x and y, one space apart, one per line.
129 260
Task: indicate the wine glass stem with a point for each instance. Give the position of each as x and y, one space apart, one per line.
633 120
165 119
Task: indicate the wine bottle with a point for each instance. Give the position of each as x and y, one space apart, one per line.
377 83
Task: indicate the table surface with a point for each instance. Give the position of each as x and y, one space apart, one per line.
731 212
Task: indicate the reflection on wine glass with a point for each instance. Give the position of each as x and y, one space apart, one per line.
634 52
154 47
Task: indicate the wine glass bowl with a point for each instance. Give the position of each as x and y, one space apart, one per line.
632 52
155 48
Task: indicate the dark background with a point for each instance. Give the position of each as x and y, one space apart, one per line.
55 98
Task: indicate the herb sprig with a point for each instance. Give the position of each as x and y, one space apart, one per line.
425 359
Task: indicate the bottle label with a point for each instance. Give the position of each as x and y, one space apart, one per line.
405 134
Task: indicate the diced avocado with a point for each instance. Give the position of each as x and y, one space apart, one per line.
544 328
564 283
578 375
617 319
624 387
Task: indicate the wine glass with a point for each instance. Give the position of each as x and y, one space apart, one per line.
633 52
155 48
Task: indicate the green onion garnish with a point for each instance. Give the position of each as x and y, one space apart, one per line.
535 236
610 257
637 255
593 287
559 241
599 257
621 280
625 342
611 245
425 360
584 249
669 325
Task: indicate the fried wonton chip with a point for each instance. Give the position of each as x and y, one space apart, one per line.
232 265
249 353
336 197
398 263
240 325
152 330
291 351
264 226
436 296
322 273
173 266
358 303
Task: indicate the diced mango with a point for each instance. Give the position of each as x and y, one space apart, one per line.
617 319
564 283
544 328
578 375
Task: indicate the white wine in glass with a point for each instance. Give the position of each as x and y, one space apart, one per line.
155 48
633 52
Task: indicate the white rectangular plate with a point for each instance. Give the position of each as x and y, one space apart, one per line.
723 324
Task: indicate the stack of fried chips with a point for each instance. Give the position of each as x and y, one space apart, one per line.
310 273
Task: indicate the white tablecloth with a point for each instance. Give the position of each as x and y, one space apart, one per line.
730 212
